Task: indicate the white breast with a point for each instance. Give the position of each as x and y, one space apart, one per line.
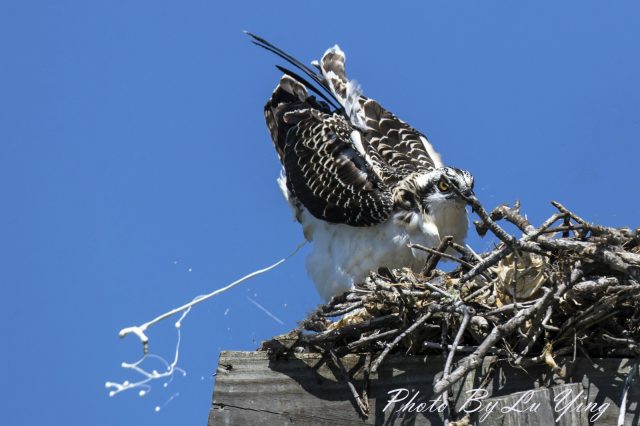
343 255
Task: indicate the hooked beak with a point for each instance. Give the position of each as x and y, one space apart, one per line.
469 194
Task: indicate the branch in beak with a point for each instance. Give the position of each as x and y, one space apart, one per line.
468 196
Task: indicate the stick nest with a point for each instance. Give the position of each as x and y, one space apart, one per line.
564 288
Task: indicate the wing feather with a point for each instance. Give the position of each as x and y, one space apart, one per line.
340 165
395 147
328 175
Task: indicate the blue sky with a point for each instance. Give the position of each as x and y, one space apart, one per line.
136 171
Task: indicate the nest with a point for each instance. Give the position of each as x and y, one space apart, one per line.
564 288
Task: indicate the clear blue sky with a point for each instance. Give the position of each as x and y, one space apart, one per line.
133 150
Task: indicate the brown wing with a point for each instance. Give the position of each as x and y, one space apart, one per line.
325 170
395 148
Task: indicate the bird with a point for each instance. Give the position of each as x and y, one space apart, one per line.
363 184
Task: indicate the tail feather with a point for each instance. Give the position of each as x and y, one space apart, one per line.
332 79
318 79
307 85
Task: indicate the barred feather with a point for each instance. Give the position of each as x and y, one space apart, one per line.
362 182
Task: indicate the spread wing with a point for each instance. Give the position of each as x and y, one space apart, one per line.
340 161
325 170
395 147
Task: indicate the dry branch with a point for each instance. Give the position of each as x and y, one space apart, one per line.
564 287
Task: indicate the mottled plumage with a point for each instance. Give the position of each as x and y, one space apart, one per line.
362 182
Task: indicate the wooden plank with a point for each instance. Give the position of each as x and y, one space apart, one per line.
532 408
303 389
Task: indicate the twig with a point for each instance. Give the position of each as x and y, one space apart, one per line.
436 255
374 337
432 260
510 307
511 214
389 346
478 292
349 308
452 352
499 332
456 342
589 303
364 410
461 348
625 391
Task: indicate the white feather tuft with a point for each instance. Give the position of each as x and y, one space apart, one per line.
329 77
352 105
282 183
437 160
335 49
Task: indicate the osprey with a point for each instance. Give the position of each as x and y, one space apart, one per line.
362 183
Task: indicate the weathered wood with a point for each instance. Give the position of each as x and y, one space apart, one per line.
533 408
306 389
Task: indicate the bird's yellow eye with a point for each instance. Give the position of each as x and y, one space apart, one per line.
443 185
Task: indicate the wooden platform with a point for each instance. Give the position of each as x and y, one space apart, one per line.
250 389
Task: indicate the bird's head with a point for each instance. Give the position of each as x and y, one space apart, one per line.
443 188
